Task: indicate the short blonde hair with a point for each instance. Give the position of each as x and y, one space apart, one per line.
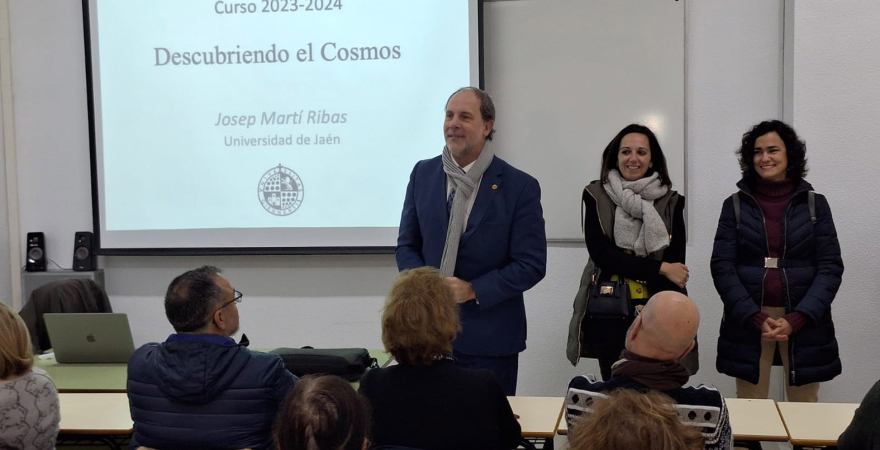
16 353
420 319
629 419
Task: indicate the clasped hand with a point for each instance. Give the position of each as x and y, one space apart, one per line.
677 273
775 329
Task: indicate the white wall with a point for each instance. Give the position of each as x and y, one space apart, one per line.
5 266
836 98
733 81
51 123
5 269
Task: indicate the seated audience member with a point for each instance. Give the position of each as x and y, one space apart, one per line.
199 389
28 399
627 420
864 431
426 401
658 339
323 413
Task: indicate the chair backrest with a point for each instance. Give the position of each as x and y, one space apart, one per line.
62 296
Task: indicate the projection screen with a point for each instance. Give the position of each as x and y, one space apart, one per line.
271 126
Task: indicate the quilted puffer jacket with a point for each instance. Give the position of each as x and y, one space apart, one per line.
206 392
811 273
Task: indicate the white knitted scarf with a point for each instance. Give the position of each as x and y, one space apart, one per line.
637 224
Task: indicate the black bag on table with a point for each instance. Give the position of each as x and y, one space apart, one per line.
348 363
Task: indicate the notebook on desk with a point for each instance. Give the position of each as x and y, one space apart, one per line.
89 337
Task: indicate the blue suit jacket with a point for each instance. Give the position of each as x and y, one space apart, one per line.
503 251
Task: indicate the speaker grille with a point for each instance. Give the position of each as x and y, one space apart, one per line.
35 253
81 253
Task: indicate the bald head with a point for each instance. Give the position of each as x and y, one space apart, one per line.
666 328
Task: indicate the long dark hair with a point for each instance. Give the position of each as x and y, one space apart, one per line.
795 150
322 412
658 161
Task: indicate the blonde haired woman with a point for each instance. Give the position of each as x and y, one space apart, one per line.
426 401
28 399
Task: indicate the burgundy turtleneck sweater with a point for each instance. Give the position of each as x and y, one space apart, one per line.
773 197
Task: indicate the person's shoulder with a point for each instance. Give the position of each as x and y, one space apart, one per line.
384 378
43 381
263 359
430 163
482 376
40 374
148 346
873 394
700 394
589 383
377 374
508 168
583 391
142 354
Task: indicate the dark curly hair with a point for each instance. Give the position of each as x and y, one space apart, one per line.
658 161
795 150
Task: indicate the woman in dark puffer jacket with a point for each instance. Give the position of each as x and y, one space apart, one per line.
776 265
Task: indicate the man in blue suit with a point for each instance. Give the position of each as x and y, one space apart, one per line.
479 220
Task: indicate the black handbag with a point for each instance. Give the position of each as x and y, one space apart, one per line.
348 363
608 299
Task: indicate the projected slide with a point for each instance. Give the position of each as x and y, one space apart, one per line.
271 123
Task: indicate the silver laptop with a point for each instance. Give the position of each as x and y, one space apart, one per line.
89 337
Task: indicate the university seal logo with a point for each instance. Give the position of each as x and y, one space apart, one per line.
280 191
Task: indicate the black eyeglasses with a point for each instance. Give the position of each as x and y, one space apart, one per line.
236 298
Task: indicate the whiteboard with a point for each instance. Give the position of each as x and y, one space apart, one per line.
567 75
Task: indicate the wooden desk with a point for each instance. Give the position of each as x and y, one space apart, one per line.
816 424
95 414
755 420
102 418
538 416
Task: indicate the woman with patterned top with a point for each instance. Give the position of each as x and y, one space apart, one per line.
28 400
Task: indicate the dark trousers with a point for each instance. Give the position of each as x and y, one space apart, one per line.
505 368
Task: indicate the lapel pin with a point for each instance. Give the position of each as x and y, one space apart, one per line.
494 186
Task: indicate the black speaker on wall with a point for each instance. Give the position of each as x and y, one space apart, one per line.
83 252
36 252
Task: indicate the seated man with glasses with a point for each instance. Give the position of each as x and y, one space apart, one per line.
199 388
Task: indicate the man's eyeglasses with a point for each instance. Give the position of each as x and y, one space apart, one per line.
236 298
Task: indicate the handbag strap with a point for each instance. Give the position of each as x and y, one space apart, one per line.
597 272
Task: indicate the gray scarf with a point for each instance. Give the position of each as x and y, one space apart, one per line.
465 185
637 224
